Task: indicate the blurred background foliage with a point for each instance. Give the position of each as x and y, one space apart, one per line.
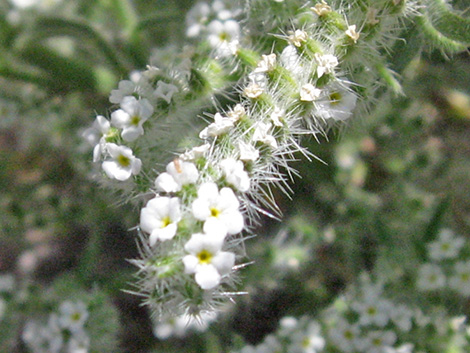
390 180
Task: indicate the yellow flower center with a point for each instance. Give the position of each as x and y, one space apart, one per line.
204 257
215 212
335 98
75 316
123 160
371 310
135 120
165 221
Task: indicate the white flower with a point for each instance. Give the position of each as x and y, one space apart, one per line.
460 281
237 112
447 246
338 104
131 116
372 311
309 341
345 336
430 277
160 218
196 19
277 115
206 260
378 341
262 134
220 126
178 173
165 91
223 36
308 93
123 163
96 135
125 88
266 64
248 153
321 8
72 315
196 152
351 33
180 325
253 90
298 37
218 210
325 63
235 174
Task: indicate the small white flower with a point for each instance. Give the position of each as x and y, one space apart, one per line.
277 116
262 134
345 336
220 126
235 174
430 277
248 153
206 260
165 91
373 311
196 152
298 37
131 116
447 246
197 18
351 33
321 8
325 63
223 36
96 135
253 90
338 104
378 341
179 326
160 218
460 281
308 341
125 88
237 112
219 210
72 315
123 163
309 93
178 173
267 63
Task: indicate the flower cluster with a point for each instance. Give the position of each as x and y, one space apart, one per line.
65 330
197 212
443 271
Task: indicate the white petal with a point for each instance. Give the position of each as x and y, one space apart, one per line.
113 170
224 262
190 263
163 234
131 133
201 209
120 118
207 277
165 182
